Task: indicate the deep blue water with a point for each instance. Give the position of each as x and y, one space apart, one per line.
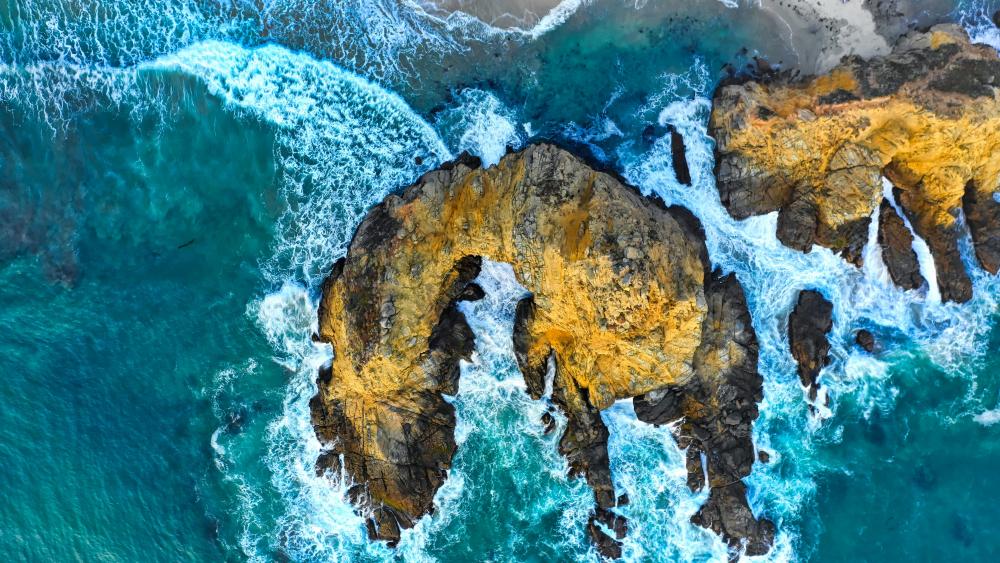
177 176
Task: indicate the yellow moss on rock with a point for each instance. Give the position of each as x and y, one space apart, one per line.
621 302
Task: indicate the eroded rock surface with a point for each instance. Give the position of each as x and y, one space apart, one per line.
678 154
621 305
927 117
808 326
896 242
718 407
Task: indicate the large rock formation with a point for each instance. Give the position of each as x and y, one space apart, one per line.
927 117
622 305
808 327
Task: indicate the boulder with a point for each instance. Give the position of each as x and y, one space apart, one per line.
896 242
808 326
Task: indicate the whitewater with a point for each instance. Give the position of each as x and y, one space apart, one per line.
347 131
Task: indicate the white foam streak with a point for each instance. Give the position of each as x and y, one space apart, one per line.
498 424
480 125
318 521
988 418
344 143
975 18
556 17
924 258
647 465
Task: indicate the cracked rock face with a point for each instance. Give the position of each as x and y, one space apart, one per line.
622 305
926 116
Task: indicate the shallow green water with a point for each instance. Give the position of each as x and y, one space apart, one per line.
163 230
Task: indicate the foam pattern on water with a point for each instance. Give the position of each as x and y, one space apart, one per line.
381 38
479 123
54 56
344 143
649 467
317 522
976 17
506 471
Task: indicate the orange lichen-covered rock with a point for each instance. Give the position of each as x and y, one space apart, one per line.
927 117
621 304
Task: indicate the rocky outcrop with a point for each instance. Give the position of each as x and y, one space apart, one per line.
866 340
717 408
622 305
927 117
678 155
896 241
808 326
981 212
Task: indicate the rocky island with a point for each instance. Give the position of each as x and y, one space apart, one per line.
623 301
623 304
926 117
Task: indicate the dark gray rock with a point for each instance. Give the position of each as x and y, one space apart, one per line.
866 340
679 156
808 326
952 277
718 408
896 242
982 213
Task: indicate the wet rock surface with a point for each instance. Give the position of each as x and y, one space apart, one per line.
717 408
926 116
679 156
622 305
866 340
981 212
808 326
896 242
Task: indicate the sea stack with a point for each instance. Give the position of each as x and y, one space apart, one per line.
623 304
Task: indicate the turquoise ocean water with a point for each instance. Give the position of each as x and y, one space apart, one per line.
176 176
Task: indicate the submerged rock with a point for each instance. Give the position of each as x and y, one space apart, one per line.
866 340
622 305
926 116
808 326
